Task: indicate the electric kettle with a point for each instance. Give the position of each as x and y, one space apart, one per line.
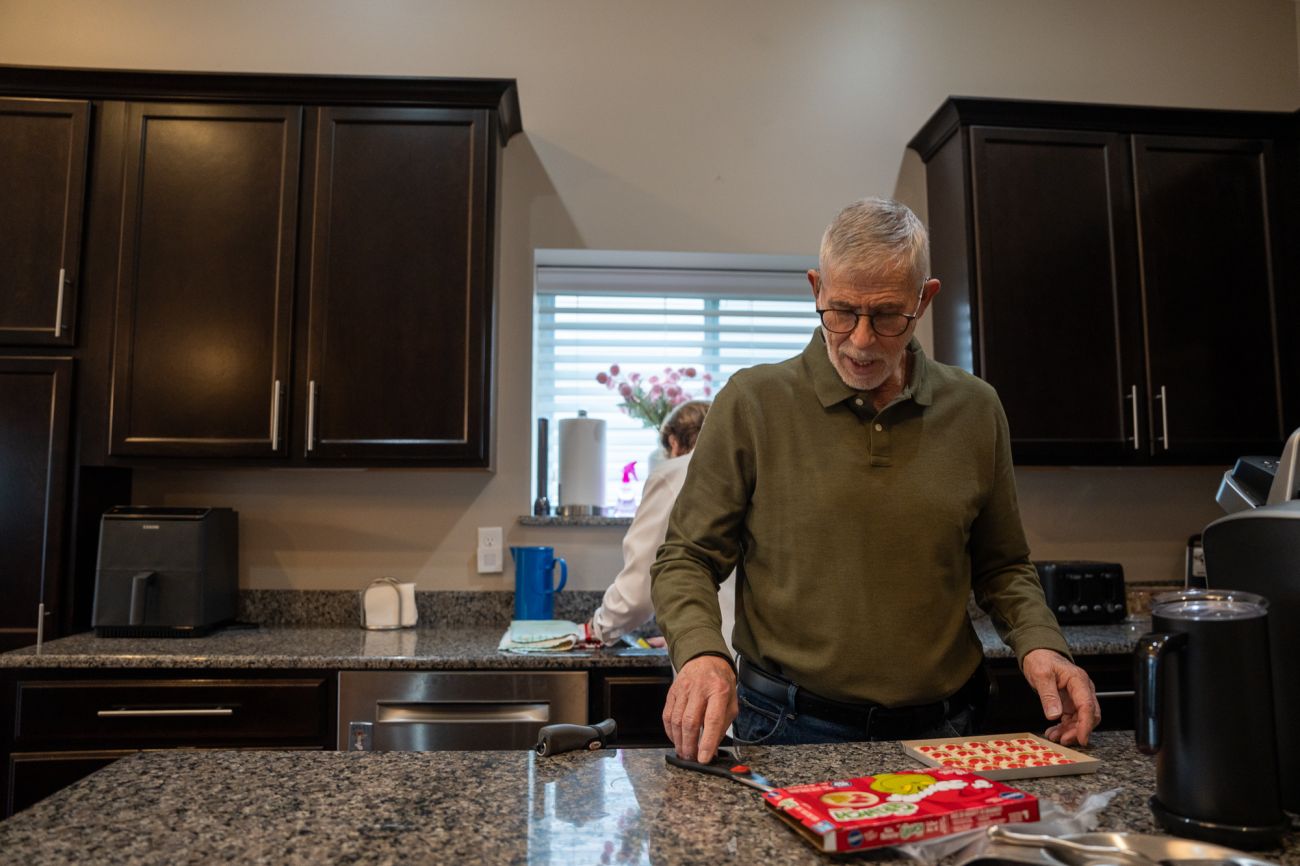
1205 710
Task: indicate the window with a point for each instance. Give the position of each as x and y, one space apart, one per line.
712 313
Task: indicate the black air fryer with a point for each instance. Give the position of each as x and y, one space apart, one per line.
166 572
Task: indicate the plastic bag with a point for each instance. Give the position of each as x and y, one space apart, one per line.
1054 820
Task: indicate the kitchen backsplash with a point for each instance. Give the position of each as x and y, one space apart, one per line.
445 608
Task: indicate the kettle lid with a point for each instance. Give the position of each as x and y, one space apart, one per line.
1209 604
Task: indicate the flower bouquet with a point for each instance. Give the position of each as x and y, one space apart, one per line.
651 398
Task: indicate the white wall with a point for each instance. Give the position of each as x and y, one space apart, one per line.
729 125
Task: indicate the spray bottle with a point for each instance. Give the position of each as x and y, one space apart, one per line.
626 506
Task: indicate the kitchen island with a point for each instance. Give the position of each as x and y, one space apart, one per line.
482 807
81 702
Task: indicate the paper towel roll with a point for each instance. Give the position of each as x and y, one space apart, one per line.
582 463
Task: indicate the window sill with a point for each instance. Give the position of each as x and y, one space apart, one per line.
584 520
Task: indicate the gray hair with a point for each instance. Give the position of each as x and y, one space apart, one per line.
874 235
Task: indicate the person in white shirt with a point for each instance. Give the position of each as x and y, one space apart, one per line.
626 605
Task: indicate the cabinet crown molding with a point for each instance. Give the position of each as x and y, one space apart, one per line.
957 111
495 94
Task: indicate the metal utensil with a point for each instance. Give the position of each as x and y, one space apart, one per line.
1172 850
1072 853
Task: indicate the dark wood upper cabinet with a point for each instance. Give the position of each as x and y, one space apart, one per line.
36 394
1068 304
398 287
205 280
1206 239
279 269
1118 284
42 197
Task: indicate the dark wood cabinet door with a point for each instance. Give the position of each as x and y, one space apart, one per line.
399 326
1055 314
1208 280
205 280
35 394
42 194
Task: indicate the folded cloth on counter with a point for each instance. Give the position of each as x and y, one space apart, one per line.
540 636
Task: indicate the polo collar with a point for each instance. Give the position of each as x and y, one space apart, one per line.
830 388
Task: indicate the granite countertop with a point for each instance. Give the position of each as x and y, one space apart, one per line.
321 648
483 807
440 648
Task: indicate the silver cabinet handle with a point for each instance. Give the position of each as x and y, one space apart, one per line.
158 714
311 414
1126 693
1133 396
58 304
276 390
1164 418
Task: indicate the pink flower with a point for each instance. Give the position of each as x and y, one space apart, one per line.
613 369
708 377
653 380
656 392
690 372
634 378
673 392
707 390
602 378
626 390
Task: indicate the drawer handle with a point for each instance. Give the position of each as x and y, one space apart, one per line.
146 714
1121 694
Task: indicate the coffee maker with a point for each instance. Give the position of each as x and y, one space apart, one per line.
1256 548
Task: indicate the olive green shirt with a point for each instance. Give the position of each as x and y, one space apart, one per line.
857 536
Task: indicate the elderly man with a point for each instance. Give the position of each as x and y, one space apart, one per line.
861 491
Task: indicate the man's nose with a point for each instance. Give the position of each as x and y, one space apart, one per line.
862 335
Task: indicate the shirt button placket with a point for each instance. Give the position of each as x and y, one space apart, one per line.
880 444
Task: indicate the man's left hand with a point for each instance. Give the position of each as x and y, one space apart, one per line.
1067 693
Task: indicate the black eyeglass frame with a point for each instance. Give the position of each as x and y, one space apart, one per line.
870 317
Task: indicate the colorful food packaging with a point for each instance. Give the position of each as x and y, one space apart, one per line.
898 808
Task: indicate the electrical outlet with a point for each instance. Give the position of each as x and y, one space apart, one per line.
490 555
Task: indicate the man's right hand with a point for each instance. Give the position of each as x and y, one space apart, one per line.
700 706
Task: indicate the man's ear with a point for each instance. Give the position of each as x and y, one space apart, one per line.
928 291
813 280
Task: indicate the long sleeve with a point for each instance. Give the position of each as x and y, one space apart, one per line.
627 604
1005 581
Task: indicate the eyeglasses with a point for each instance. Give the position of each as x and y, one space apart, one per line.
883 324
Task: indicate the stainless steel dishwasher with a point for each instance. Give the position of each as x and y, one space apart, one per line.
424 711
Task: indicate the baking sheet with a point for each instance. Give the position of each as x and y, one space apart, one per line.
1002 756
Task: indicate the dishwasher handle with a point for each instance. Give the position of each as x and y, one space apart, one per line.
554 739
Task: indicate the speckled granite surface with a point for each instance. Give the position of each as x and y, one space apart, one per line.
329 648
470 808
1089 640
584 520
447 648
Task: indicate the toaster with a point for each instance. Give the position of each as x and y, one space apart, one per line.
1083 592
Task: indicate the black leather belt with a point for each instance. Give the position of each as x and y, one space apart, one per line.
871 717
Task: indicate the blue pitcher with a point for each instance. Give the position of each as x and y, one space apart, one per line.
534 581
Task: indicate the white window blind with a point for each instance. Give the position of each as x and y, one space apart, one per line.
714 314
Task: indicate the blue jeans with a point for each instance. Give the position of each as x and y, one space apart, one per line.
763 721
